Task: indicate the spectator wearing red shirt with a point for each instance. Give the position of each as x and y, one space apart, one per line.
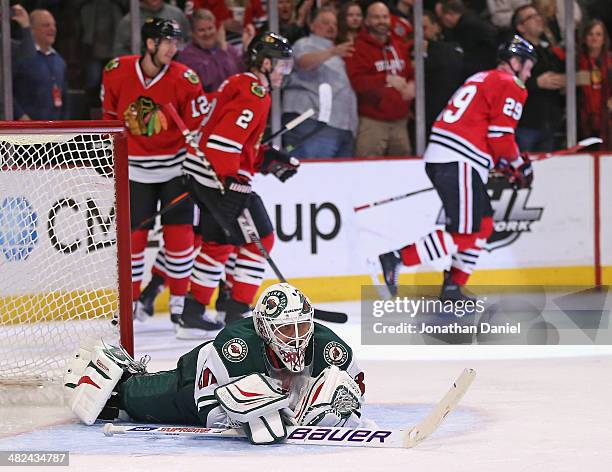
596 62
382 77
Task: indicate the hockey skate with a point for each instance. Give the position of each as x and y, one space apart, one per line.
193 323
225 293
391 262
235 311
144 306
453 292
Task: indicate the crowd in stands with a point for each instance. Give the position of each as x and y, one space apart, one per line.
363 49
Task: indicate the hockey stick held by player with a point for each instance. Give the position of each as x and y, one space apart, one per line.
261 373
473 134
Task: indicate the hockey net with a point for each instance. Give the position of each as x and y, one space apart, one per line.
64 245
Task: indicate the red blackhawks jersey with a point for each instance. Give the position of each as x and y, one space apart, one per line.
156 146
477 126
232 130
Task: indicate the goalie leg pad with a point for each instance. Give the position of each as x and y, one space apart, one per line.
331 399
255 402
95 386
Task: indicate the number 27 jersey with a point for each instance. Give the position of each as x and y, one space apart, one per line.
477 126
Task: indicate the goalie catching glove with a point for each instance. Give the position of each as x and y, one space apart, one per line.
519 172
281 165
332 399
255 403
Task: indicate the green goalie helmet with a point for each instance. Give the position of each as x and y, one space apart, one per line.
283 318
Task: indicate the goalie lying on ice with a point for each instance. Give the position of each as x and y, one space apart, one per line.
275 368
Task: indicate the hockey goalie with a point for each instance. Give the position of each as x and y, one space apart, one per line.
262 373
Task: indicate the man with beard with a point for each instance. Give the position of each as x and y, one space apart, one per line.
382 77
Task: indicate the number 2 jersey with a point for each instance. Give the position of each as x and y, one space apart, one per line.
232 130
156 146
477 126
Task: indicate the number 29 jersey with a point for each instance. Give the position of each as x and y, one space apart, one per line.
477 126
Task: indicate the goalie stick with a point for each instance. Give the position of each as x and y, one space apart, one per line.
538 157
325 436
245 221
188 137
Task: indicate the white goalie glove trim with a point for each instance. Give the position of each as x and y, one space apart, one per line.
255 402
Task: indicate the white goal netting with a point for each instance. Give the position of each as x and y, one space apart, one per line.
59 261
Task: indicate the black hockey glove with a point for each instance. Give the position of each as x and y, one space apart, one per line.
236 198
281 165
518 172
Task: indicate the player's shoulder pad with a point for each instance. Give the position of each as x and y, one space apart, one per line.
184 72
239 347
248 85
330 349
505 80
119 63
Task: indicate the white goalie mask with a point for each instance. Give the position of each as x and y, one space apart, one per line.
283 318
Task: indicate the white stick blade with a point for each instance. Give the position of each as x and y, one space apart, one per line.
300 119
431 422
590 141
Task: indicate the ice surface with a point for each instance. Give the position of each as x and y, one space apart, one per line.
531 408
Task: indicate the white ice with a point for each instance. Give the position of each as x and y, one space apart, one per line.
531 408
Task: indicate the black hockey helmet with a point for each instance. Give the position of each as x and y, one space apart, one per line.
518 47
270 45
158 28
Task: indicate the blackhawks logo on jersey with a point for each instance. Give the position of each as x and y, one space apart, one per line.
144 117
191 77
235 350
258 90
274 303
335 353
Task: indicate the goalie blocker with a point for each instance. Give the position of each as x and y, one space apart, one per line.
260 373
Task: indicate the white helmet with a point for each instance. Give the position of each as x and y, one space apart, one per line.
283 318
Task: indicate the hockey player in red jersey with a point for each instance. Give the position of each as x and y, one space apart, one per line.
231 137
472 135
133 90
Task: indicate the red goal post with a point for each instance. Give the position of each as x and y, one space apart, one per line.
65 272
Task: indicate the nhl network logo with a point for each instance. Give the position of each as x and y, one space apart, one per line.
18 234
511 213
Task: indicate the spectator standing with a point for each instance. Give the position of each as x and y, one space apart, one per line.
318 61
149 9
99 20
477 38
206 55
350 20
501 11
21 48
39 81
443 68
543 110
596 102
287 25
382 77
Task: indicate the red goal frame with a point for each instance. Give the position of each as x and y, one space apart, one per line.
122 199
